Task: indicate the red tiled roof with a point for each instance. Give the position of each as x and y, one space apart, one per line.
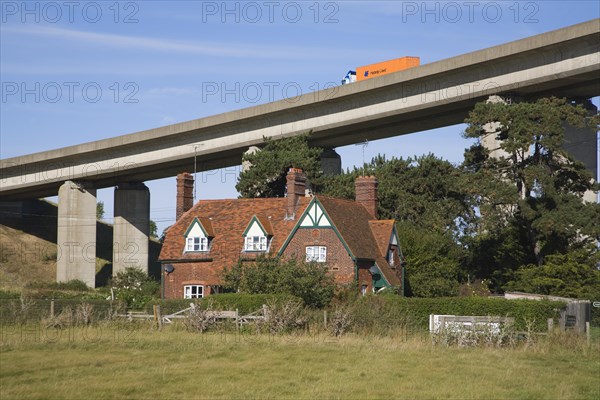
387 272
207 225
382 231
228 220
265 221
352 221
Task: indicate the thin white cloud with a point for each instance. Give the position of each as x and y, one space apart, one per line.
172 91
169 46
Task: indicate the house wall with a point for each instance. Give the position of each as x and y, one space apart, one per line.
198 273
338 261
364 276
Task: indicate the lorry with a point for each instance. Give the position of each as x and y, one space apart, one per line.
380 69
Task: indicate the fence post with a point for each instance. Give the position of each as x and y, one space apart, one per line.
265 312
52 308
587 332
158 314
550 324
325 319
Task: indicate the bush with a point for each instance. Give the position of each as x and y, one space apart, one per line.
75 285
341 321
199 319
134 287
286 316
309 281
7 294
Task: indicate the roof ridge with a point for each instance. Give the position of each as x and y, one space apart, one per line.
335 198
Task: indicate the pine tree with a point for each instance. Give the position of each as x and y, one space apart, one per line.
530 199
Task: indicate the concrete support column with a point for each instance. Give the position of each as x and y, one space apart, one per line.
246 165
76 236
331 162
131 226
490 141
582 144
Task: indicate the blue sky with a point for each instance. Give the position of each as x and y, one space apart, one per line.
74 72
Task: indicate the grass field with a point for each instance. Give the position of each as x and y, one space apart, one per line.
145 364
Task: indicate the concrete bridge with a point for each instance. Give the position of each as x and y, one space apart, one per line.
564 62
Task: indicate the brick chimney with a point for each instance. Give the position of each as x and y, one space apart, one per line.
366 193
185 193
296 185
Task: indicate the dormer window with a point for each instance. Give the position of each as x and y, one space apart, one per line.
198 236
258 234
256 243
394 254
196 244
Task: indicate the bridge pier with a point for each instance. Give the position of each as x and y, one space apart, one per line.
131 227
582 144
331 162
76 234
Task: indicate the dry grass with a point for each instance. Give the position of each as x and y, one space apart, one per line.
118 363
25 258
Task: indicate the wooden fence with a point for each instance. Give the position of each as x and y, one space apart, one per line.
259 315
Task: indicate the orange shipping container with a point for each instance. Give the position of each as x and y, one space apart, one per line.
386 67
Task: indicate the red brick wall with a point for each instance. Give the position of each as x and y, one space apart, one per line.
185 193
202 273
338 261
207 273
366 193
364 276
296 185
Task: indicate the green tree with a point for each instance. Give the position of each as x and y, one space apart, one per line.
309 281
100 210
153 229
426 191
569 275
432 261
267 175
530 200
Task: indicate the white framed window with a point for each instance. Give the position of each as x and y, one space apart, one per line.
196 244
316 253
256 243
193 291
391 257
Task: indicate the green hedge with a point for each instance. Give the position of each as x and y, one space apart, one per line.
244 303
389 311
7 294
73 285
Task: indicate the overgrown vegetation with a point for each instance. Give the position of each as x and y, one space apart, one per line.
134 287
307 281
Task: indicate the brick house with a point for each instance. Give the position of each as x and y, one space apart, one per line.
344 234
